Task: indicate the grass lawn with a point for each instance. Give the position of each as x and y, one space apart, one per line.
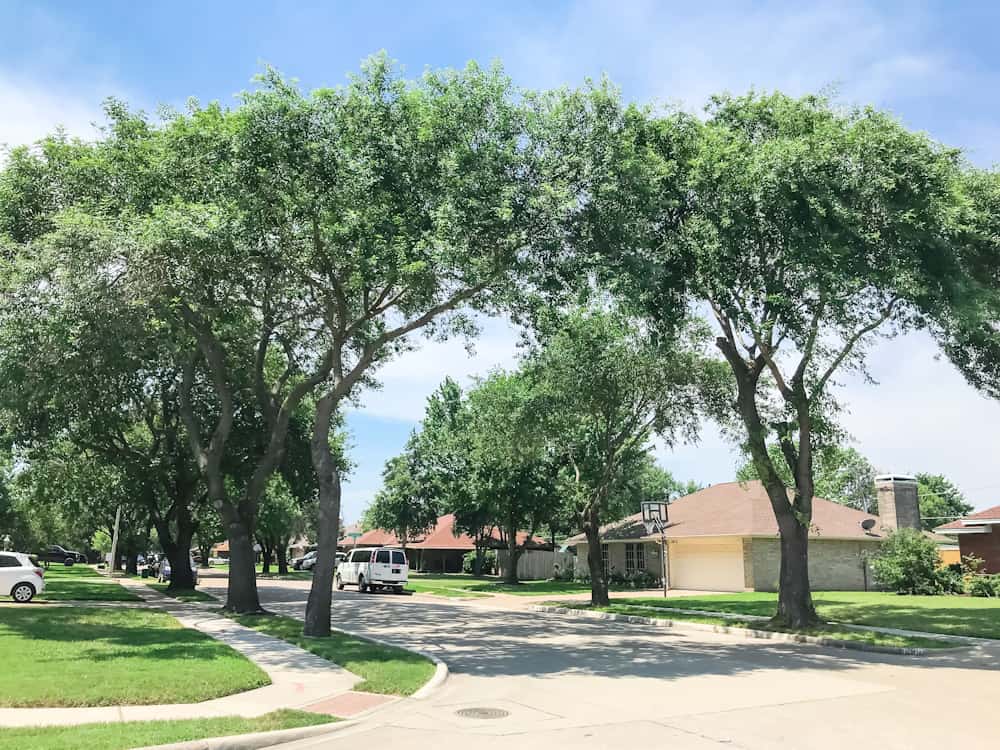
82 583
947 615
184 596
79 656
386 670
292 575
127 734
457 584
621 607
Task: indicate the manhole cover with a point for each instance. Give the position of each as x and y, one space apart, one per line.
482 713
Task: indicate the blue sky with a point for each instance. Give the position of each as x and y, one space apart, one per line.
933 64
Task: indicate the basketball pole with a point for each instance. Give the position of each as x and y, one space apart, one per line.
663 552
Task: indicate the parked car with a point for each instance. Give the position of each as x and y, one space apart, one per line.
20 577
163 573
306 562
373 569
58 554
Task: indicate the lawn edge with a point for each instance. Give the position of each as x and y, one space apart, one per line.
255 740
748 632
441 671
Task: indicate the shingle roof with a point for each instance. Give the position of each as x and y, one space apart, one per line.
442 536
739 509
988 514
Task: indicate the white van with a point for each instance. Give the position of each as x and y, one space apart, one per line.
371 569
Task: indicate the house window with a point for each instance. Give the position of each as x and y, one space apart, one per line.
604 559
635 558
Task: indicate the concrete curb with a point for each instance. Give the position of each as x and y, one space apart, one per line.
749 632
429 688
440 671
257 739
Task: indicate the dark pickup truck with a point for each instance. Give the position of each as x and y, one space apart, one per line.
56 554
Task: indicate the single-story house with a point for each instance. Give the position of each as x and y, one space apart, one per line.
441 549
725 538
978 534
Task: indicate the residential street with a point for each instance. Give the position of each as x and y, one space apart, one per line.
608 685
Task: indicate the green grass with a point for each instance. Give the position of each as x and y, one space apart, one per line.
946 615
82 583
458 584
292 575
443 585
192 595
128 734
385 669
827 631
79 656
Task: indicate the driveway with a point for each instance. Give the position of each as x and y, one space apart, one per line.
573 683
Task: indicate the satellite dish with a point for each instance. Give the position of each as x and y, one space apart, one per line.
868 524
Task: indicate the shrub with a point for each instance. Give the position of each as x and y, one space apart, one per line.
642 579
983 584
489 562
908 564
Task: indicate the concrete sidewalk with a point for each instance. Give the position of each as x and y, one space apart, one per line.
299 679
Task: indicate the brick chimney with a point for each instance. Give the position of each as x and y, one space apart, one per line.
898 507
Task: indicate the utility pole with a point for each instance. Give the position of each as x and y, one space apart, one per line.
114 542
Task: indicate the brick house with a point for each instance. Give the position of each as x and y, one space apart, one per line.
978 534
725 538
441 549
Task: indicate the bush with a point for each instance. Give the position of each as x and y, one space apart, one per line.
983 585
908 564
489 562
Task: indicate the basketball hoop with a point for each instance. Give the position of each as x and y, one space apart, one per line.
654 515
654 518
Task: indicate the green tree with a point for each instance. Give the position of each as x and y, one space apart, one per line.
605 386
403 505
940 501
514 471
840 474
281 518
806 229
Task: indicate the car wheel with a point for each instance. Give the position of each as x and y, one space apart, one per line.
398 589
68 561
362 585
339 582
23 593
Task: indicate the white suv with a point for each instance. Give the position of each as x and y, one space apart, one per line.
20 578
372 569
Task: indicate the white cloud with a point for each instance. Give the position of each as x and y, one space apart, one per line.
410 379
31 110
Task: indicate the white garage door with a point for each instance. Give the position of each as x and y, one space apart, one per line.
707 567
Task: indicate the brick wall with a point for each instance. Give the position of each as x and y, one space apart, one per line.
833 564
986 546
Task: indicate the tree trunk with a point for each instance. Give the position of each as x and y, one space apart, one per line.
241 592
513 555
132 563
282 553
317 621
179 554
265 556
177 547
598 581
795 605
205 553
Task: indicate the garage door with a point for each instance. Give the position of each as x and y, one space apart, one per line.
707 567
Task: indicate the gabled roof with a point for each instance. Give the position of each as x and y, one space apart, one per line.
441 536
983 517
739 509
